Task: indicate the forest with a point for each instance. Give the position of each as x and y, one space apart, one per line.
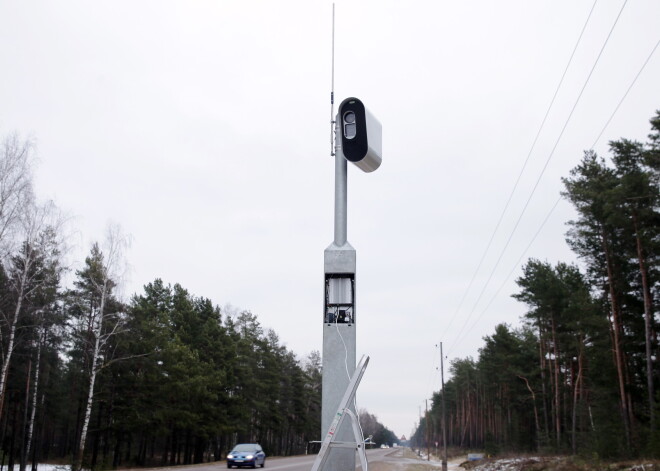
167 377
164 378
579 375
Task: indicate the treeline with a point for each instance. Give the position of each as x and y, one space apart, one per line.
164 379
374 431
580 374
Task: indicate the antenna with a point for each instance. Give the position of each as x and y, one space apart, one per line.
332 89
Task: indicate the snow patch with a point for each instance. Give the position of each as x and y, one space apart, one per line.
51 467
511 464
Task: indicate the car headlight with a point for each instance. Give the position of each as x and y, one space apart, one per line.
249 457
230 456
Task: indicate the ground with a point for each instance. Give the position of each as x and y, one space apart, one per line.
527 463
558 464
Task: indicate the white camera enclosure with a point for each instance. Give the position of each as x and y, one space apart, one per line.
361 135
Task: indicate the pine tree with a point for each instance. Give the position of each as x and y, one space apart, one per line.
595 237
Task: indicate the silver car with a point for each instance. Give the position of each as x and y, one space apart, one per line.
246 454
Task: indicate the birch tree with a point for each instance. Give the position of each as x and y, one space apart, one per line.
99 315
15 186
35 265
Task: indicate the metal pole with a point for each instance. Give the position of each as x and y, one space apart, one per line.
420 445
339 337
428 445
444 418
341 190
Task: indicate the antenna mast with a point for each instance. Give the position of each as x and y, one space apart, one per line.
332 89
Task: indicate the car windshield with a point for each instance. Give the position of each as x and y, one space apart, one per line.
245 447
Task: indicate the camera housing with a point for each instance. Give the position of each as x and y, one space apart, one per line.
360 134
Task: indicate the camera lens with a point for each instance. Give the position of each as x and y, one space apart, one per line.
350 130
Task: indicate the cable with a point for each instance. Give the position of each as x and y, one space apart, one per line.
625 94
559 199
515 266
436 369
545 166
348 375
431 376
522 170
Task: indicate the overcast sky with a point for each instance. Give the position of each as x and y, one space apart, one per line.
202 128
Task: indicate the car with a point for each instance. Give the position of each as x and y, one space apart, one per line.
246 454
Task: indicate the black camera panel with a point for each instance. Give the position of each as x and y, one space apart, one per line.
353 135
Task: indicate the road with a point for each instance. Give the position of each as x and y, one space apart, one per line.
378 459
391 459
304 463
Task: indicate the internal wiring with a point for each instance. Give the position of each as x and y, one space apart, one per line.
348 375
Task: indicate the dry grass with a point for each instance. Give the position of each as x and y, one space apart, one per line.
558 464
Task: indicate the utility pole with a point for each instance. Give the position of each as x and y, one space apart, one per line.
428 442
420 444
444 418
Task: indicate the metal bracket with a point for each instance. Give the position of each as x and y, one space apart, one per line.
343 411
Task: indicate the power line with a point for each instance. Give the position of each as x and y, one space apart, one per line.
522 170
545 166
626 94
515 266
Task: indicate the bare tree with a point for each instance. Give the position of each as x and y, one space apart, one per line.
15 186
101 322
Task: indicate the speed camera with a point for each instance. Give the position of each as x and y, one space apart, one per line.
360 134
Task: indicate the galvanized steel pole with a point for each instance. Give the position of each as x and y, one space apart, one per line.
341 197
339 325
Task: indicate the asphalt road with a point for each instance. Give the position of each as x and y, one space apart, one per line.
304 463
292 463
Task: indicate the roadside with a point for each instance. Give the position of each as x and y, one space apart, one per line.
404 459
558 463
407 460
